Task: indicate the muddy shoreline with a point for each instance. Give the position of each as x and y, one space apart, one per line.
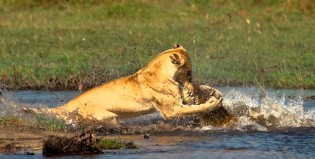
25 140
30 141
19 140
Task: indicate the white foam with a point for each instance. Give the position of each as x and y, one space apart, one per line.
267 110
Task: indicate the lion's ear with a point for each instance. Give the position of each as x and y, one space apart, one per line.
177 59
175 46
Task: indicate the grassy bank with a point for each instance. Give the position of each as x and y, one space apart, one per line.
64 44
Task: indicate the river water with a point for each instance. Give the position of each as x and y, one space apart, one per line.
285 127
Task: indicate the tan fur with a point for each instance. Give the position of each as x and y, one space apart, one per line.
159 86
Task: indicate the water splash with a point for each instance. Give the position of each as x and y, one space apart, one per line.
10 107
266 111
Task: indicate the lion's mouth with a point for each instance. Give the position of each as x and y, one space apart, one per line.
189 94
194 94
182 94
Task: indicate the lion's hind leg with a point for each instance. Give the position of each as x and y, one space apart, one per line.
98 114
105 116
92 113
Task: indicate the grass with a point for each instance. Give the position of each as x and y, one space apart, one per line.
112 144
62 44
41 121
50 123
108 144
10 120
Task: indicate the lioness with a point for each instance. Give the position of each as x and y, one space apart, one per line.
164 85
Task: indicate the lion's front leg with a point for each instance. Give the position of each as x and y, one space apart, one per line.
195 99
181 110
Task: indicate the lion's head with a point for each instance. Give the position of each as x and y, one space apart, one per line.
172 65
181 60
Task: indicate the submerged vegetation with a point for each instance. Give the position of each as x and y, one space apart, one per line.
65 44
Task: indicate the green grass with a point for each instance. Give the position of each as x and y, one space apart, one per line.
112 144
50 123
41 121
60 44
10 120
108 144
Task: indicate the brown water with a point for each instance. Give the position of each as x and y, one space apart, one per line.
290 133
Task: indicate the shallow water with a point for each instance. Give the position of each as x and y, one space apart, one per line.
290 133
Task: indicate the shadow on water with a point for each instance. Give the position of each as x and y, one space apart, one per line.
276 124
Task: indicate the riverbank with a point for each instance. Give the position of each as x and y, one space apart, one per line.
19 140
62 45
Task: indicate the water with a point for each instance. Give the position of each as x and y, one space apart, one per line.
271 124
